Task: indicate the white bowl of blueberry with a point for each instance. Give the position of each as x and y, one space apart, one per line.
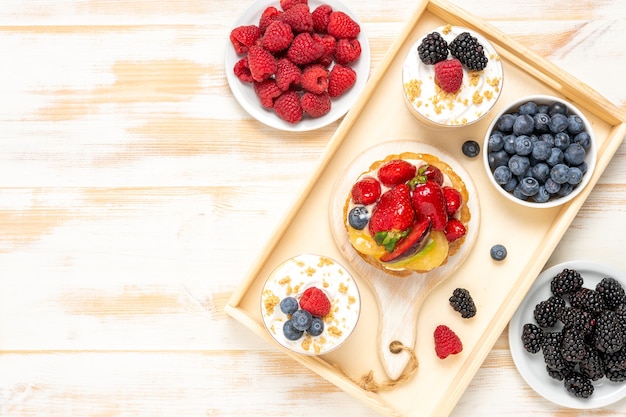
540 151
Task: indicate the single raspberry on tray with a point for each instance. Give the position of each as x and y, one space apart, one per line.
446 342
340 79
449 75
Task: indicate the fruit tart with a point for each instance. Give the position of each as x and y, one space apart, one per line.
407 213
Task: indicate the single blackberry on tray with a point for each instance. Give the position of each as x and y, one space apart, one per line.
591 366
565 282
579 385
532 336
546 311
608 334
588 300
433 49
461 301
469 51
577 318
612 292
573 347
615 365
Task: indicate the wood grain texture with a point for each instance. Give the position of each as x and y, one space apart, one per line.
135 193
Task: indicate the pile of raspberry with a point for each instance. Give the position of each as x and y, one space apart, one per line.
298 60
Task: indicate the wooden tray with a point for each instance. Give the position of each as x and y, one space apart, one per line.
380 115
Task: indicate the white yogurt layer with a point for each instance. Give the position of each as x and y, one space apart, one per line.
477 95
291 279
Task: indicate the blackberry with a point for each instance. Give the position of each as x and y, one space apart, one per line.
573 345
550 347
620 311
546 312
462 302
615 365
579 385
591 366
588 300
566 282
608 335
433 49
612 292
576 318
558 374
532 335
469 51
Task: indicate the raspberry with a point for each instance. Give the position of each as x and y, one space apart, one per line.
288 4
243 37
340 25
315 302
267 91
449 75
287 106
347 51
269 15
315 79
329 44
277 37
287 74
446 342
315 105
304 50
340 79
261 62
242 70
321 17
299 18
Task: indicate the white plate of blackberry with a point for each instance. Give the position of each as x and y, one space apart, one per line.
568 336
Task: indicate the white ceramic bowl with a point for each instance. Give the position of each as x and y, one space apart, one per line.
590 155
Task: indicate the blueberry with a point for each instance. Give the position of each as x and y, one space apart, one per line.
502 175
510 186
541 151
556 157
529 107
542 121
551 186
575 176
496 159
495 142
498 252
470 148
582 167
523 145
519 164
529 186
505 122
541 172
524 125
565 189
574 154
584 139
548 138
542 195
517 193
575 124
288 305
561 140
358 217
317 327
509 144
557 108
301 320
558 123
290 332
559 173
543 108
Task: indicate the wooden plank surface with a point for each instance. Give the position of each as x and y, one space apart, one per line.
135 194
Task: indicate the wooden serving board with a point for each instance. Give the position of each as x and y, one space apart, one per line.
380 115
399 298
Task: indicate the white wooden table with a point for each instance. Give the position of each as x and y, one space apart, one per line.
135 194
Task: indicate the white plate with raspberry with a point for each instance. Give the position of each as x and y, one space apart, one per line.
532 366
327 99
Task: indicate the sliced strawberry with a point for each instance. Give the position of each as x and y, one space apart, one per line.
453 200
454 230
396 171
411 244
428 201
393 212
366 191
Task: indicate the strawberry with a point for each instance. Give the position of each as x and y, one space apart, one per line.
277 37
340 25
396 172
449 75
315 302
431 172
366 191
428 201
446 342
453 200
304 49
414 241
340 80
347 51
261 62
243 37
394 212
315 105
454 230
